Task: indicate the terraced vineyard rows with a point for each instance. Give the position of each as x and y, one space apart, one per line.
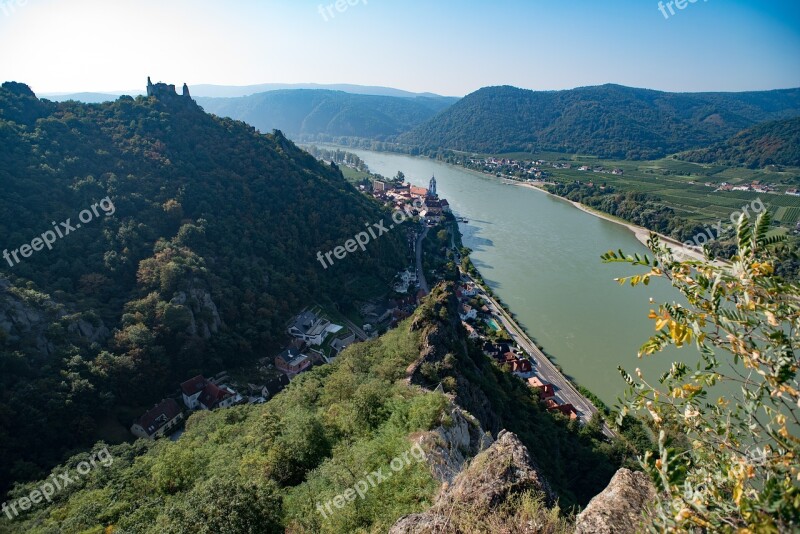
788 216
686 192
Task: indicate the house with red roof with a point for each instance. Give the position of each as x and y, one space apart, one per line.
157 422
508 357
522 368
566 409
199 393
292 362
546 391
214 397
418 191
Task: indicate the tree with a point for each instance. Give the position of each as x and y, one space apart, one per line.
738 470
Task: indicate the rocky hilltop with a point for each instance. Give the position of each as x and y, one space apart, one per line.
502 490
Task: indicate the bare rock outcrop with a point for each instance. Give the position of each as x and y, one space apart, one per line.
26 317
619 508
449 446
503 470
203 313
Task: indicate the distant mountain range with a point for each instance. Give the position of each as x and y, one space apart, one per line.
771 143
304 113
232 91
247 90
608 120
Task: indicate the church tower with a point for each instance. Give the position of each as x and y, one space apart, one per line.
432 188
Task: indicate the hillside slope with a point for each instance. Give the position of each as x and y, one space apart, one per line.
267 468
204 247
608 121
772 143
307 113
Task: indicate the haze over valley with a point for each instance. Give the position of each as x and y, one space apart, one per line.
399 267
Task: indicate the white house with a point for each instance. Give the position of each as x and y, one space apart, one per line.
467 312
201 394
469 290
310 328
191 390
164 417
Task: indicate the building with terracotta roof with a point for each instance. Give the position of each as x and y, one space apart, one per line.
546 391
418 191
214 396
522 368
199 393
292 362
566 409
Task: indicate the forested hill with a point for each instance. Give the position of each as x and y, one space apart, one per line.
608 120
772 143
204 247
309 113
265 469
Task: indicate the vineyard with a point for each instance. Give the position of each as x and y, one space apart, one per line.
788 216
688 194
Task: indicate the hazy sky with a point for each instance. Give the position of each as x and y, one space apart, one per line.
443 46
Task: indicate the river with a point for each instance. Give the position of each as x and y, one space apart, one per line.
541 256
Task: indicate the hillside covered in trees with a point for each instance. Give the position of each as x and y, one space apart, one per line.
205 247
309 114
772 143
265 468
608 121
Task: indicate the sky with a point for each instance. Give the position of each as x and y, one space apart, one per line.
443 46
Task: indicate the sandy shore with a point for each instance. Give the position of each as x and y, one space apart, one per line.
681 251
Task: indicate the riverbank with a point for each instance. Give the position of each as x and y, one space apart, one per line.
682 252
542 259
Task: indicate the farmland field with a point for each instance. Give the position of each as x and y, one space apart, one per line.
688 188
788 216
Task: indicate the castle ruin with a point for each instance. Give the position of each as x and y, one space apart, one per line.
164 91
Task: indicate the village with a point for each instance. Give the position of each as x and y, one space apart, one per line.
535 171
315 338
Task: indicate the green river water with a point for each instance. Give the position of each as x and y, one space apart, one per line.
541 256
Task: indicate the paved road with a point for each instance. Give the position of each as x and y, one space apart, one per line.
545 369
423 284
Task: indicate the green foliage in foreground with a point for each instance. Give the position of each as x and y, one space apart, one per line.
737 468
264 469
